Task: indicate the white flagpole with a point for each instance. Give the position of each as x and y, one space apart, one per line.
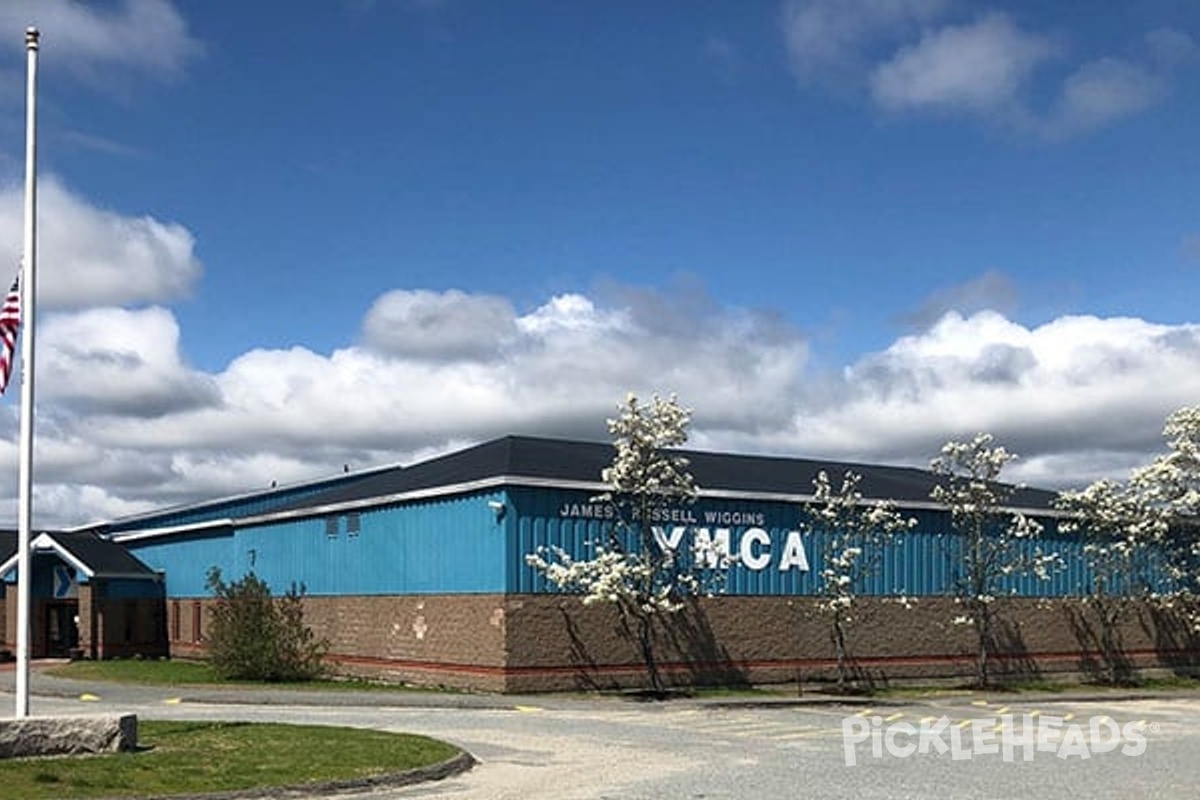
28 297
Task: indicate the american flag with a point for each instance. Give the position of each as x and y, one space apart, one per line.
10 321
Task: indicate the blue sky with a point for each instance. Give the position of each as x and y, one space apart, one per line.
363 232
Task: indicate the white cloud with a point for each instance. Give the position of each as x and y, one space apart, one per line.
571 313
114 361
1170 48
990 291
1108 89
1070 392
917 56
122 412
980 66
423 324
88 256
1101 92
1069 396
563 370
145 36
125 423
833 38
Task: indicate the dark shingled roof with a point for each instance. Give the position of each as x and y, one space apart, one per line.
551 460
102 557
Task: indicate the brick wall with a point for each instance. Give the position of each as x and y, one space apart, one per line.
523 643
88 621
126 627
449 640
439 640
557 643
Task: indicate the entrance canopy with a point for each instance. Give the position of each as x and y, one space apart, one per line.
90 555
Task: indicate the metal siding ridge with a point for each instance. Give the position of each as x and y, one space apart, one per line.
154 533
501 481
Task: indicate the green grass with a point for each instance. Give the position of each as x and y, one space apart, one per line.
201 757
164 672
160 672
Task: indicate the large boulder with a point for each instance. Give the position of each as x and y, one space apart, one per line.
64 736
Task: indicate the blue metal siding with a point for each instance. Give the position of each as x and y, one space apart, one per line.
233 508
541 522
439 547
447 545
186 559
925 561
461 544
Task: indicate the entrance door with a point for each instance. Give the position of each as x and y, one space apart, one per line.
62 632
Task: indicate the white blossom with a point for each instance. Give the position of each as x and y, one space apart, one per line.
856 534
1140 536
637 572
994 542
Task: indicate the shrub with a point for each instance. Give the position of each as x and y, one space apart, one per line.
253 636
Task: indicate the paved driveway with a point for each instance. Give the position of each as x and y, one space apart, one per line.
562 748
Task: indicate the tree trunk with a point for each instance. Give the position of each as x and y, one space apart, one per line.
839 643
1109 618
984 628
646 642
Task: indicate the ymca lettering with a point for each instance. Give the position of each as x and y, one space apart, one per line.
710 536
712 547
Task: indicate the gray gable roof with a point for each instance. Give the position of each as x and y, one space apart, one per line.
530 460
565 461
95 555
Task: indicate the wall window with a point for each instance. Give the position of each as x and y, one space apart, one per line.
196 621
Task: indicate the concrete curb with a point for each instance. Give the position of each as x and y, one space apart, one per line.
434 772
265 696
1024 698
69 688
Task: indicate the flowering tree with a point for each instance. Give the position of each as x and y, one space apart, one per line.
639 569
993 540
856 535
1168 490
1121 543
